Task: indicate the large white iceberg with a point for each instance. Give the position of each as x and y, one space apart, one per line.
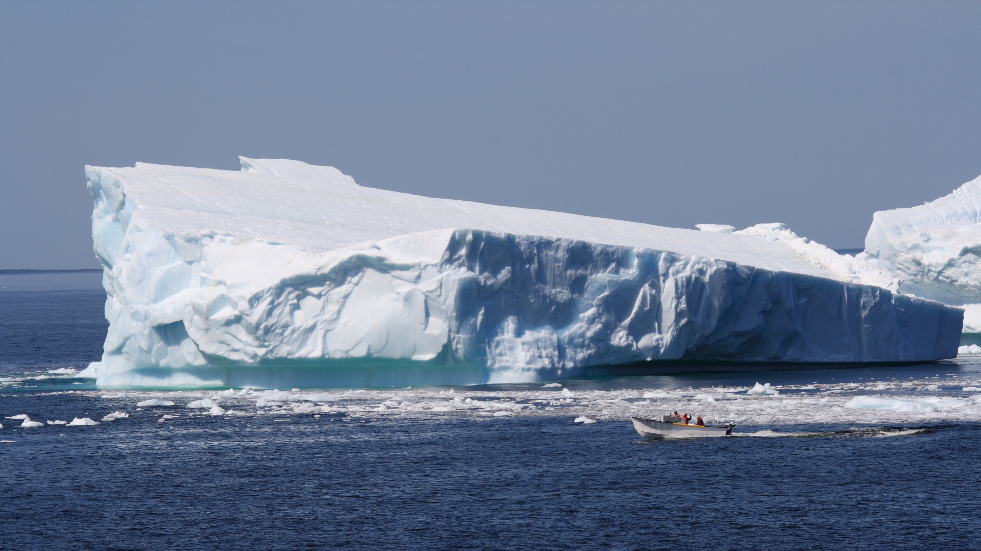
287 274
934 250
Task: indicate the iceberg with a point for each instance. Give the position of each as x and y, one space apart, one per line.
290 275
934 251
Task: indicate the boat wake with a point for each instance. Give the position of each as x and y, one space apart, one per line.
862 432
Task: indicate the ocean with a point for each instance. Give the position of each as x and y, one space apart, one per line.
864 458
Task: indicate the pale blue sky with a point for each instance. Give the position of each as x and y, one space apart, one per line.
670 113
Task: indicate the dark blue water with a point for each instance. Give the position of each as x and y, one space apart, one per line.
343 481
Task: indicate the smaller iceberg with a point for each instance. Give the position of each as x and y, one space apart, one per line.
763 390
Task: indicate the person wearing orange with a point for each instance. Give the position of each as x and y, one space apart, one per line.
700 422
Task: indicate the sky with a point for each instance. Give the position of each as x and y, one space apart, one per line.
814 114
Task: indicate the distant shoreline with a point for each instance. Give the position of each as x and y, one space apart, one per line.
26 272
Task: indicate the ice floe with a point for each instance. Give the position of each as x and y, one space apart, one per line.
884 398
968 349
83 422
154 403
927 405
762 389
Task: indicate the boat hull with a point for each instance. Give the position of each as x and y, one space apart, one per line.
657 430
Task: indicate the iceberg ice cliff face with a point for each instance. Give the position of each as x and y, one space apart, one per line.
934 250
287 274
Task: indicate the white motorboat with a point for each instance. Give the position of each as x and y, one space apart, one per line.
674 427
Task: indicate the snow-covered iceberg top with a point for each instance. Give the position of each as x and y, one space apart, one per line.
286 274
934 248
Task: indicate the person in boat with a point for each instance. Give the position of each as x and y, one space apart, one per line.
699 422
687 418
676 414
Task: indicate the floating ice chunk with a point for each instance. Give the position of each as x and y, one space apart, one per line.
83 422
584 420
972 389
968 350
115 415
502 413
205 403
63 371
154 402
21 416
216 410
57 422
568 393
924 405
706 397
28 424
262 402
762 389
552 385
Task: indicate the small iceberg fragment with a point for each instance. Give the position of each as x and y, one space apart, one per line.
83 422
972 389
205 403
968 350
216 410
584 420
502 413
28 424
57 422
763 390
552 385
115 415
21 416
568 393
153 403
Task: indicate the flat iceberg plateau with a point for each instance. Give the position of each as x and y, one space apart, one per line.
291 275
